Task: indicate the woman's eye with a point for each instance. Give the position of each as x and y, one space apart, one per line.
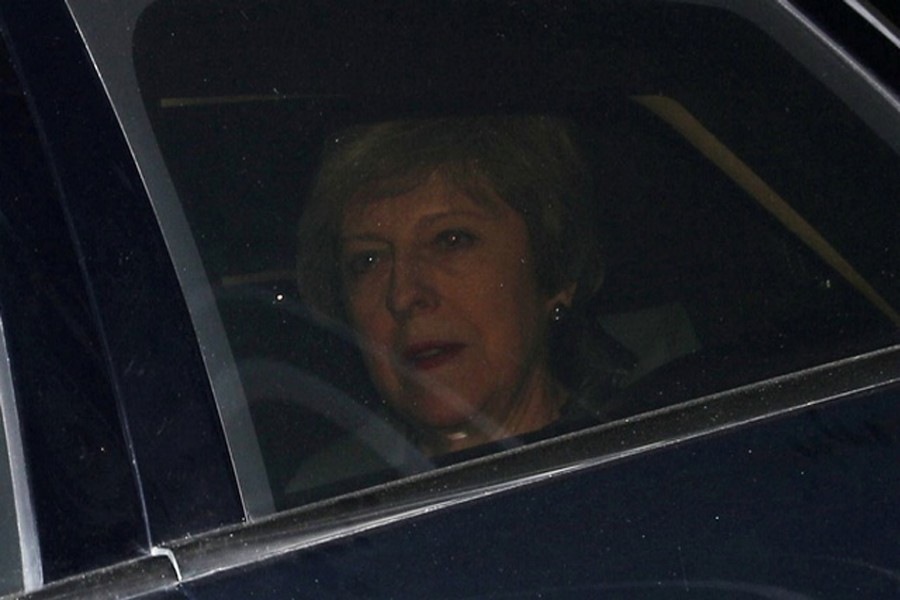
454 238
361 263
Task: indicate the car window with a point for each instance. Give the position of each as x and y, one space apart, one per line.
732 219
12 557
74 500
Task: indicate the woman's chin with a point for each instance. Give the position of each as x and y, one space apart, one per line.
444 420
440 415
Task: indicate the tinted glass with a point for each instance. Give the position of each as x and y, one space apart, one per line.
82 486
11 571
743 213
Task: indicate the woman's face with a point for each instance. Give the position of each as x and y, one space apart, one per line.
442 291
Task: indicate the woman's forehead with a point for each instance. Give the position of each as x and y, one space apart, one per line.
435 197
441 181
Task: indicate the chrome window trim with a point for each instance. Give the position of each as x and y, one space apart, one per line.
881 119
106 28
873 102
28 542
606 444
877 20
130 579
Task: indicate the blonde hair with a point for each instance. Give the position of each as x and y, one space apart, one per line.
530 162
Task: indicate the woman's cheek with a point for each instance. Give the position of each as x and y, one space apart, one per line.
364 296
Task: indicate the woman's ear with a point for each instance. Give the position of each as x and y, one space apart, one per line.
563 297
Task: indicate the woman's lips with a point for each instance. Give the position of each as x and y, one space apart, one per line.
430 355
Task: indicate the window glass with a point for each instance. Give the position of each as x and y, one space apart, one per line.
11 564
76 494
436 231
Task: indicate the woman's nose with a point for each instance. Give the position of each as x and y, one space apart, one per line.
410 291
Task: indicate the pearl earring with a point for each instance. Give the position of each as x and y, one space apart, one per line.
559 312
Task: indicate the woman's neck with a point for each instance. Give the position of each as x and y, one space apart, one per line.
537 409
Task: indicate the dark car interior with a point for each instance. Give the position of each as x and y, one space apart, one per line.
705 289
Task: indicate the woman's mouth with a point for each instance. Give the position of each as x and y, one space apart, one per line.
431 355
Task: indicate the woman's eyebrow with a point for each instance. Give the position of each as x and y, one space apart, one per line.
363 236
454 213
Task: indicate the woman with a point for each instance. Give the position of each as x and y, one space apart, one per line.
451 247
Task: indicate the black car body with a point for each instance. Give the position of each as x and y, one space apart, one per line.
150 164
